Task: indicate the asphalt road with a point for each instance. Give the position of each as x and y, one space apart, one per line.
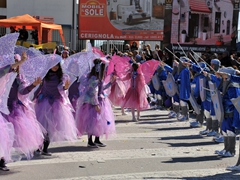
155 147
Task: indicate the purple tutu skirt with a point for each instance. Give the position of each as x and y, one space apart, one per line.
28 132
57 118
6 138
90 122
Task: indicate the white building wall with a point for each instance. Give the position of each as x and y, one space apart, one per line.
60 10
226 9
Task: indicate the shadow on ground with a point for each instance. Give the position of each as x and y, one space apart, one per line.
182 137
222 176
193 159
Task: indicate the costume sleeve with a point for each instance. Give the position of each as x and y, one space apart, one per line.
163 75
107 85
168 68
23 89
5 70
215 79
196 68
235 78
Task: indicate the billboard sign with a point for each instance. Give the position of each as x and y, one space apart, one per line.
121 19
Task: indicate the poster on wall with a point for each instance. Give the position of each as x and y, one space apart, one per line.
204 22
121 19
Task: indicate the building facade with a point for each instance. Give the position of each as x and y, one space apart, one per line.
63 12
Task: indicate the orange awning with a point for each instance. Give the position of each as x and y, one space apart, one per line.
199 7
31 23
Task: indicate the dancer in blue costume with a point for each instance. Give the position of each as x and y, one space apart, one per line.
230 114
183 81
236 119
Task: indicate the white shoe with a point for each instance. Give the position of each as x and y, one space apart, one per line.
212 133
172 115
219 139
204 132
46 153
227 154
182 118
233 168
220 151
195 124
37 153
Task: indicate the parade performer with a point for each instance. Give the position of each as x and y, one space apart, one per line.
229 92
53 109
236 121
183 81
28 132
203 103
94 115
7 132
138 77
212 125
118 88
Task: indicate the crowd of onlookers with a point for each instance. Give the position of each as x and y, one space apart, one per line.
145 53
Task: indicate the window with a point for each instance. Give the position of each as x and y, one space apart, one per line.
3 3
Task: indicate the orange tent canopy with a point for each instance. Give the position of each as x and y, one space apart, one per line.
31 23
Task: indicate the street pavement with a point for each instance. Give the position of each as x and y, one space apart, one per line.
155 147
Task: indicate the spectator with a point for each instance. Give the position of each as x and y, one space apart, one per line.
169 59
35 36
150 53
208 54
159 51
226 61
12 29
23 34
147 53
136 56
127 48
134 46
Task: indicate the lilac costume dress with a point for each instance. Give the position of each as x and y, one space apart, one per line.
89 121
28 132
54 111
6 129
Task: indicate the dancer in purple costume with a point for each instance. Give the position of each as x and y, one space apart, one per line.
53 109
22 130
94 114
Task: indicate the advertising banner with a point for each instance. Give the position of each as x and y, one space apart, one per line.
204 22
121 19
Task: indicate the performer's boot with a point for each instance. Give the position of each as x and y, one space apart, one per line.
226 146
46 143
214 131
199 120
184 114
98 142
230 152
3 166
90 142
160 104
174 112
